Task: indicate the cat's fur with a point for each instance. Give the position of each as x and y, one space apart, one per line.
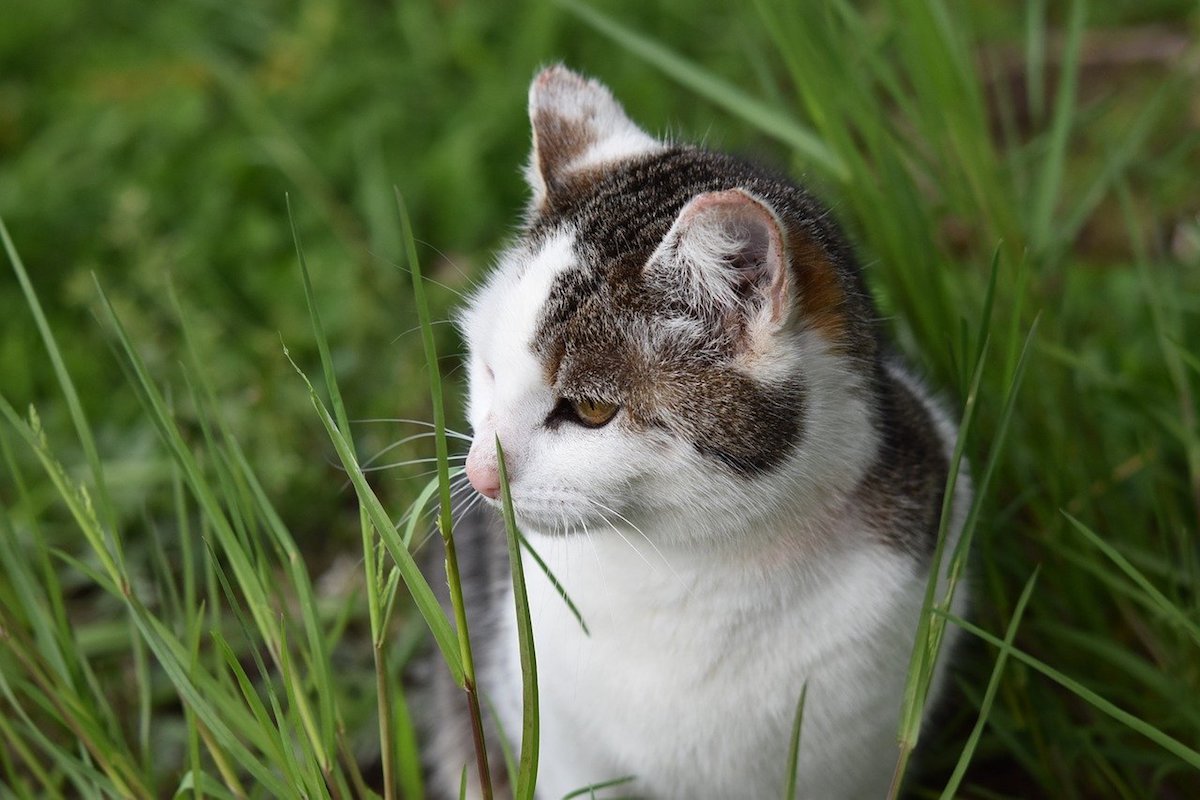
760 513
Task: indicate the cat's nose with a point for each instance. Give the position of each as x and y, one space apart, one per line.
485 479
482 471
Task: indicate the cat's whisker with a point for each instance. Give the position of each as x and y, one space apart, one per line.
410 462
625 539
407 421
448 260
418 327
424 277
431 506
365 468
640 532
461 492
397 443
590 537
458 487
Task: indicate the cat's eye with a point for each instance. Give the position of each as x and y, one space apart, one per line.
594 413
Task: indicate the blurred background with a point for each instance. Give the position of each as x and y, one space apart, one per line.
153 147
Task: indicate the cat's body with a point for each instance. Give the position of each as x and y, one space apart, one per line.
710 447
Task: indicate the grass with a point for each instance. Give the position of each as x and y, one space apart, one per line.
191 604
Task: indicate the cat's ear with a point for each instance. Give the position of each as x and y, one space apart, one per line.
577 124
727 251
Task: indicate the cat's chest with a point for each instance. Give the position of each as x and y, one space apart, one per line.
689 673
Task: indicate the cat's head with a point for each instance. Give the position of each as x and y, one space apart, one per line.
676 338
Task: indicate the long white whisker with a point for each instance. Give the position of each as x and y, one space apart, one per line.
456 483
416 328
424 277
410 462
649 541
396 444
449 432
587 532
624 538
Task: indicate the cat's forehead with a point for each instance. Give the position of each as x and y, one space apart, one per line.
500 324
621 212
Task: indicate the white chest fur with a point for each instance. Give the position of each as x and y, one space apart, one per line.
690 677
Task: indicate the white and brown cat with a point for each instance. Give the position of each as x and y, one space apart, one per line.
715 451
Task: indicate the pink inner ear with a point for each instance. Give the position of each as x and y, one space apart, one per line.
760 257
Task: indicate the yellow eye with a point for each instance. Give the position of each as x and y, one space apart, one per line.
593 413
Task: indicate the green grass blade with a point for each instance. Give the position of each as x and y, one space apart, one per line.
240 559
789 791
445 520
88 781
233 728
734 100
415 511
1047 194
75 497
1151 732
997 445
293 561
506 751
445 523
555 582
408 753
82 428
32 596
314 315
920 661
253 701
1169 610
527 768
382 677
418 587
989 695
1035 57
591 789
29 761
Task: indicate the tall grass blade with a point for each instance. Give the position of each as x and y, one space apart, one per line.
924 654
590 790
383 687
415 511
426 602
930 631
1151 732
734 100
82 428
1160 601
989 695
445 522
229 528
1047 194
789 791
530 720
555 582
1035 57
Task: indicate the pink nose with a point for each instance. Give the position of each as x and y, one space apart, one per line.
485 479
482 471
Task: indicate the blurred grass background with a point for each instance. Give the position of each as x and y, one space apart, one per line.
154 144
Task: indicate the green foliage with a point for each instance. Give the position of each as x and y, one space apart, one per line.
176 613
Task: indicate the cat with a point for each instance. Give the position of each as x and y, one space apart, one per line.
714 450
